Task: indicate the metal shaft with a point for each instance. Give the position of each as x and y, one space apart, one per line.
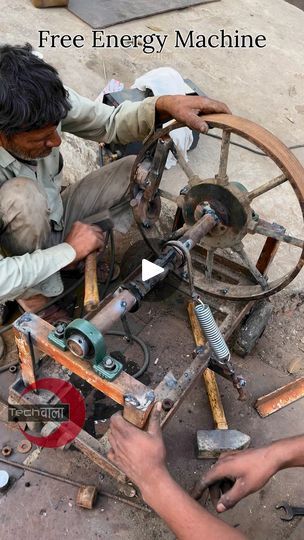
125 301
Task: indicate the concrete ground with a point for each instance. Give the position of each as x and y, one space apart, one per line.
266 86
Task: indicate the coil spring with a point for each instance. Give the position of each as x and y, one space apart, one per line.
212 332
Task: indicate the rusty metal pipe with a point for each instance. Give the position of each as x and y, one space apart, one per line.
113 311
200 229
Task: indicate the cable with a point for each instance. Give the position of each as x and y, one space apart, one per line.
251 149
142 345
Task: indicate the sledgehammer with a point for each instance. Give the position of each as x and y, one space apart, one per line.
212 443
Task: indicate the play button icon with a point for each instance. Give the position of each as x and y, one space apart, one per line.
149 270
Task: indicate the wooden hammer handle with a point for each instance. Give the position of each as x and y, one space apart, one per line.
91 293
209 377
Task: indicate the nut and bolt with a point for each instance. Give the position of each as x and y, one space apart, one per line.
6 451
59 330
167 404
109 363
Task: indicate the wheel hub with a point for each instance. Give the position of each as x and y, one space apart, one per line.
231 206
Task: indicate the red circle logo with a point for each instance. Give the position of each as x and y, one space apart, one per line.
68 429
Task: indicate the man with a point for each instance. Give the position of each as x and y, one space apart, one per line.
41 230
141 455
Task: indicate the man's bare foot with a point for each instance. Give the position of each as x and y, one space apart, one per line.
33 304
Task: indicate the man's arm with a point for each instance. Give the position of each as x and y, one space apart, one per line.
135 121
141 455
250 470
19 273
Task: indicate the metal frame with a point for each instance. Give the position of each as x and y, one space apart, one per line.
31 332
169 388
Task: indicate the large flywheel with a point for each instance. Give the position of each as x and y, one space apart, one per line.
232 202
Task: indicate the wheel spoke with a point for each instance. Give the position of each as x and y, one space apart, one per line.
274 182
167 195
262 280
221 176
209 264
192 177
273 230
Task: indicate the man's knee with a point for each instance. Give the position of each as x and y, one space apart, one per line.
24 215
22 195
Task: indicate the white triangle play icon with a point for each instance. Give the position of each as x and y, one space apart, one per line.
149 270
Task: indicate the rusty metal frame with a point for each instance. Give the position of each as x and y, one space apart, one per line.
169 388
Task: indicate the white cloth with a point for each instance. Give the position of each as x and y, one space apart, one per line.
167 81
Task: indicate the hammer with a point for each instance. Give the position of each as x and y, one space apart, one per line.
91 293
211 443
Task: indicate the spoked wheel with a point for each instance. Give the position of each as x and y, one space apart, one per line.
231 201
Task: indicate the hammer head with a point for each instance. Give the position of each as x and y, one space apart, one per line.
211 443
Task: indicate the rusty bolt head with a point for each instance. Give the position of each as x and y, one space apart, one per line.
6 451
167 404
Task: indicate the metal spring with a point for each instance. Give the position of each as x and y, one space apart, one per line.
212 332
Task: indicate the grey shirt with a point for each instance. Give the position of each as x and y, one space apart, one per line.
87 119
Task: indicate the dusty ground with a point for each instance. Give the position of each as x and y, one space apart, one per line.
267 87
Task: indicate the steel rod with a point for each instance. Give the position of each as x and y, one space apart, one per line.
184 165
222 172
277 181
71 482
268 230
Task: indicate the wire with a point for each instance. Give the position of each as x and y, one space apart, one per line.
248 148
143 346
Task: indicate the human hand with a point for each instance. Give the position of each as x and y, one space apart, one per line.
139 454
250 470
85 238
187 109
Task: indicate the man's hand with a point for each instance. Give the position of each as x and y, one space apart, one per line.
187 109
250 470
84 239
139 454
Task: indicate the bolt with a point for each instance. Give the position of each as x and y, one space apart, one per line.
59 330
224 291
109 363
123 304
